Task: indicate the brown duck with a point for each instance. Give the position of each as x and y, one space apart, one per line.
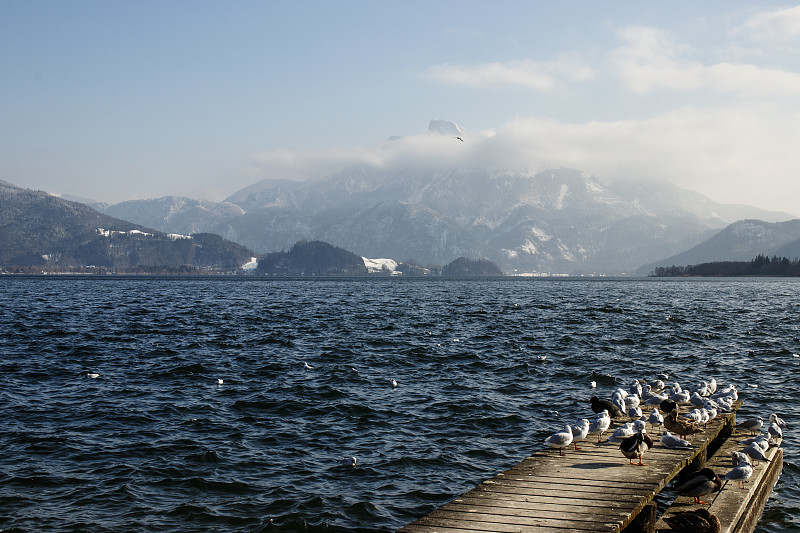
681 426
697 521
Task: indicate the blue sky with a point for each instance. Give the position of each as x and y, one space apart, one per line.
141 99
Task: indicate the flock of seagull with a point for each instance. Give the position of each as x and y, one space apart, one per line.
705 402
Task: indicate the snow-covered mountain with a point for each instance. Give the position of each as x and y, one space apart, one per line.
179 214
556 221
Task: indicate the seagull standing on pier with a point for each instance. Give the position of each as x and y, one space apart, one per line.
560 439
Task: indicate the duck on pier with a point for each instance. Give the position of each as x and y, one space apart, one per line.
635 446
700 484
697 521
680 426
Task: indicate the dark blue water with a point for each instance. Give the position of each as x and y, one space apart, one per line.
156 443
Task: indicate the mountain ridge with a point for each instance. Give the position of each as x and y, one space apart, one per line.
558 220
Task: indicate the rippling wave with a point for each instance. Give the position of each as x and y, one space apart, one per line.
485 371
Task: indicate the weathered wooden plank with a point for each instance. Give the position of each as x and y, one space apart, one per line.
559 511
488 523
590 489
545 503
737 509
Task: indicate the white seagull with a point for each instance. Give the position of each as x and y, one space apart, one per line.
307 366
668 440
600 424
656 418
560 439
740 473
580 431
751 424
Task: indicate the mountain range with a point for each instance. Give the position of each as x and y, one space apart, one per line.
553 221
40 231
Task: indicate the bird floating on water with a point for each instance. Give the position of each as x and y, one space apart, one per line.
394 383
307 366
93 375
348 461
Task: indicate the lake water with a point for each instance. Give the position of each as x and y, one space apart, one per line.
156 443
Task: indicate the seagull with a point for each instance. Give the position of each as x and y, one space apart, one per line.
755 452
740 473
600 425
697 399
93 375
698 521
657 386
624 431
593 384
560 439
394 383
307 366
348 461
579 432
634 412
775 430
668 440
681 397
738 458
635 446
773 418
220 381
699 484
656 419
751 424
460 139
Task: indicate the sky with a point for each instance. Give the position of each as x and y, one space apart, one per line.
122 100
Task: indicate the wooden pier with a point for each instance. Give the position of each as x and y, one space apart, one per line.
593 489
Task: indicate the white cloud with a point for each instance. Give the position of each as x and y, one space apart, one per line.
781 24
649 61
733 154
537 75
